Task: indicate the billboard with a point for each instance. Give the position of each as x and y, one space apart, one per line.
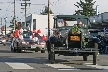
34 23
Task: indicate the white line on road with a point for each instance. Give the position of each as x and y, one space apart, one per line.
61 67
19 65
96 66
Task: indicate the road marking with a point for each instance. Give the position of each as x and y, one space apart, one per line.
96 66
19 65
61 67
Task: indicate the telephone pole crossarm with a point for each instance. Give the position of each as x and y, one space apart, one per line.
25 7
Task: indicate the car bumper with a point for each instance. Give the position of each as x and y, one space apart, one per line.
32 47
41 47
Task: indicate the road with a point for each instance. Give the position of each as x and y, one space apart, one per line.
38 62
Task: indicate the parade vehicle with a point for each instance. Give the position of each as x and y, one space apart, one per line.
41 45
26 42
71 38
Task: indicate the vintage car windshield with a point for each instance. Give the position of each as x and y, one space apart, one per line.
27 34
71 22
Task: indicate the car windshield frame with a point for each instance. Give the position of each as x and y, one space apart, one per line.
63 21
27 34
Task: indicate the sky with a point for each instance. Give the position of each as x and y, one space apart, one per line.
57 6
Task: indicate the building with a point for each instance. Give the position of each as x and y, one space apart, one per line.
8 30
36 21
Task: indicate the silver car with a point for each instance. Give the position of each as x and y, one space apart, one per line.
41 45
27 43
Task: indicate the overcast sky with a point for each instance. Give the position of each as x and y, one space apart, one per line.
57 6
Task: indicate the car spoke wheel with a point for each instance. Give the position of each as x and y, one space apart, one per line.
85 57
52 57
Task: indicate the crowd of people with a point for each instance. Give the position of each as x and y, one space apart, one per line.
19 34
103 48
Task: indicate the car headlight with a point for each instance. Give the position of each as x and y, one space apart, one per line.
27 42
23 42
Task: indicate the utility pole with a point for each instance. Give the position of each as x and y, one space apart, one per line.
25 7
48 18
1 21
5 24
14 16
25 13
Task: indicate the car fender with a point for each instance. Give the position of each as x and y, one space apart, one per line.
53 39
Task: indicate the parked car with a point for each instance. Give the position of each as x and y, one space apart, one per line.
2 40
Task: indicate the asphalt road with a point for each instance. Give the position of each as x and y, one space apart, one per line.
38 62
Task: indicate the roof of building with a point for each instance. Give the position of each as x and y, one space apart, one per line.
71 16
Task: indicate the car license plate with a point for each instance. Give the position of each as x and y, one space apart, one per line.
74 38
33 46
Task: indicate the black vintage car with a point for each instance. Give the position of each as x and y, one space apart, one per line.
71 38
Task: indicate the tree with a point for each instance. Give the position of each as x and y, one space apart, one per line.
45 11
85 8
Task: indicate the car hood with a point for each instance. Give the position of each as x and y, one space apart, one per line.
28 40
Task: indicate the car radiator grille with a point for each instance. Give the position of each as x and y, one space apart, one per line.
32 42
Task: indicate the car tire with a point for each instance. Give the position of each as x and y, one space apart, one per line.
42 51
36 50
85 57
4 44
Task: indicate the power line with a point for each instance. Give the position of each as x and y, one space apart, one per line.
53 4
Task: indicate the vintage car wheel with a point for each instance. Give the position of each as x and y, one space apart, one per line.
42 51
48 56
52 57
94 58
36 50
95 54
85 57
